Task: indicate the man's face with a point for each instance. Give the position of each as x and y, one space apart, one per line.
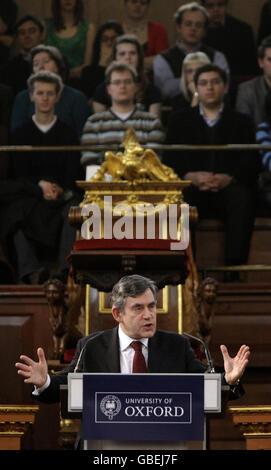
265 63
211 89
29 35
44 96
139 317
192 28
121 88
127 53
217 10
136 9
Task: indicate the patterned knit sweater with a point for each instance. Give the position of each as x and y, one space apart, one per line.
106 128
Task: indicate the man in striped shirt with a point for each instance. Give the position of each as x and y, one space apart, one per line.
108 127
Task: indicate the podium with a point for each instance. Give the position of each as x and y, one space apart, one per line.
145 411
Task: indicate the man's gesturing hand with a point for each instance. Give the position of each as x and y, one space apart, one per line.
234 366
34 372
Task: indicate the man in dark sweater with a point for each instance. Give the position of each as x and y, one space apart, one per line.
191 24
53 173
222 181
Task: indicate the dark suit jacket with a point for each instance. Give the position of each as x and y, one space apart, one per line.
99 352
189 127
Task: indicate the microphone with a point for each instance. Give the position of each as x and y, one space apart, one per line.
91 336
211 369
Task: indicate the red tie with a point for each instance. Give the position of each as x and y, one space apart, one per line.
139 364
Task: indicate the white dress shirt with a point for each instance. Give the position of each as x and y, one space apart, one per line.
127 352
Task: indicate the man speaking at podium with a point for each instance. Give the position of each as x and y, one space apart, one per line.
135 345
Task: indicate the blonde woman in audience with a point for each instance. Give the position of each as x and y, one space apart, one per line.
189 95
71 33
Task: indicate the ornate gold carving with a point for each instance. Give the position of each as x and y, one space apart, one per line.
250 409
134 164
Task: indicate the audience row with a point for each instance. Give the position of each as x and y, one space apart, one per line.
38 188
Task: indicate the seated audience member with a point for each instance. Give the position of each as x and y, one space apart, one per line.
191 24
189 96
6 98
70 32
29 33
223 183
263 137
72 107
127 49
264 29
151 36
109 127
93 75
53 173
8 16
134 310
234 38
251 94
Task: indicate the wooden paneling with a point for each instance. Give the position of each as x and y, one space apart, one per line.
242 315
24 326
209 248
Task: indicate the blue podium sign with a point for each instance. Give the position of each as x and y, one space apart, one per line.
143 407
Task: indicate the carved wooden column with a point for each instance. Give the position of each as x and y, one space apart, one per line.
255 424
14 422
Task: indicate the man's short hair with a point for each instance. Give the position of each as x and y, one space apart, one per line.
131 286
117 66
26 18
265 44
210 68
45 77
192 6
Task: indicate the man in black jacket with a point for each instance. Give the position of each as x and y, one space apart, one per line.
222 181
134 309
54 174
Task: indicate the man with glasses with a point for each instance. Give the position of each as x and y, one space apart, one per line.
223 182
108 127
191 22
234 38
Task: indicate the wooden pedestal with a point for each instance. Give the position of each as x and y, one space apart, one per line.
14 422
255 424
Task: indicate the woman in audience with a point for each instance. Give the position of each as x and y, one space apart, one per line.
127 49
188 96
71 33
152 36
93 74
72 108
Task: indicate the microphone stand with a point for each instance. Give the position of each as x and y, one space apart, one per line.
211 369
